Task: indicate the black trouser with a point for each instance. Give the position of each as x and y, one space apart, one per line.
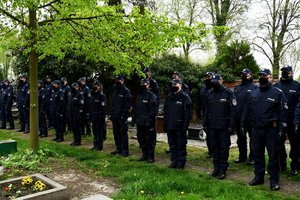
86 125
50 116
146 136
261 139
120 128
43 124
242 140
26 115
220 144
58 126
7 116
76 125
21 115
99 130
177 140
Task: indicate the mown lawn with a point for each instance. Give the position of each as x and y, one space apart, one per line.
155 181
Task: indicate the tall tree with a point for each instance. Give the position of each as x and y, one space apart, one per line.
278 31
225 13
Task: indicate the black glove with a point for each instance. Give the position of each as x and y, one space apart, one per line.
297 129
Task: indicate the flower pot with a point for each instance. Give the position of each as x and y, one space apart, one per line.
57 192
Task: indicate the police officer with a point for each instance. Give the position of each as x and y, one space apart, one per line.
153 87
177 116
177 76
6 99
267 112
57 103
75 113
121 105
42 109
145 115
67 92
219 119
202 105
242 92
291 89
97 109
23 88
85 91
49 90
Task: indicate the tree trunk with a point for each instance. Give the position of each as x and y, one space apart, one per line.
33 74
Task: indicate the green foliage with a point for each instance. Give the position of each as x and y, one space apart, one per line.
233 58
28 160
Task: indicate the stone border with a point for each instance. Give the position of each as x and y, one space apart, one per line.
58 192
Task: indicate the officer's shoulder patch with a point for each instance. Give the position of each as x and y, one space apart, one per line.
286 106
234 102
82 101
89 94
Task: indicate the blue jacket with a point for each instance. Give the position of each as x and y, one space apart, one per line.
121 102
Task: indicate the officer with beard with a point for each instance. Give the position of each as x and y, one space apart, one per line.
57 104
86 93
291 89
267 113
75 113
48 88
97 110
23 88
145 115
121 105
219 119
202 105
42 109
177 116
6 99
242 92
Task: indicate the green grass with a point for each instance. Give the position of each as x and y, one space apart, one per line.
153 181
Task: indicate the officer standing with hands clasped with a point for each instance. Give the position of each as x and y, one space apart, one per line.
97 109
145 114
242 92
177 116
121 105
267 112
291 90
219 119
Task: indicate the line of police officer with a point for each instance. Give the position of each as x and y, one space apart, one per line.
263 112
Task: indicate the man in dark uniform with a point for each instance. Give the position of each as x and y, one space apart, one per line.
242 92
145 116
177 116
267 112
49 90
57 104
291 89
219 119
23 88
6 99
153 87
75 113
121 105
67 92
97 110
177 76
86 93
42 110
202 105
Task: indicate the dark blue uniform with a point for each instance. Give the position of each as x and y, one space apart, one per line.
242 92
22 94
75 114
219 118
291 89
177 116
145 118
42 112
57 104
121 104
267 112
98 107
49 90
67 92
85 126
6 99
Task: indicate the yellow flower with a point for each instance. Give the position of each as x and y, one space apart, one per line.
181 193
27 180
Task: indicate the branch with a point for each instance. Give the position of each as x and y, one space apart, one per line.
13 17
264 52
48 4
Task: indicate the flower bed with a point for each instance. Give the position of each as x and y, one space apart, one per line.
34 187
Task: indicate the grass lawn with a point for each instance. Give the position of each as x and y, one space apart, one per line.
140 180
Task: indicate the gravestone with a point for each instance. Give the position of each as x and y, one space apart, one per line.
7 147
